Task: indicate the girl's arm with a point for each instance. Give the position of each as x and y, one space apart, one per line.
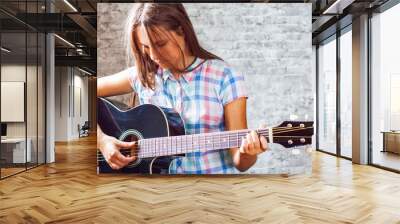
116 84
235 119
109 146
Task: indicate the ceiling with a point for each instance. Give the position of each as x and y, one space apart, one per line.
76 22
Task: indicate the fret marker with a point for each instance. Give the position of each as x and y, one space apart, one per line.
302 140
290 142
302 125
289 125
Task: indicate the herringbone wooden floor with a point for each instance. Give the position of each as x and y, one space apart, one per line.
70 191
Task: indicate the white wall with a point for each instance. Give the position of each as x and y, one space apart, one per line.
15 73
70 83
80 84
61 103
34 123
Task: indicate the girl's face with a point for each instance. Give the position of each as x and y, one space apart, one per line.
168 45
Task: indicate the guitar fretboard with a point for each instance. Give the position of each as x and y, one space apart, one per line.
164 146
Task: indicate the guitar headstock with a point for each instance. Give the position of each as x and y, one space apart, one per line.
293 133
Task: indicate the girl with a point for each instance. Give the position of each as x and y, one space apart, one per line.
173 70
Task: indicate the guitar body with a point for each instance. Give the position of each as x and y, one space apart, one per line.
160 133
142 122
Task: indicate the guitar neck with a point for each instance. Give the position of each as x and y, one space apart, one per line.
174 145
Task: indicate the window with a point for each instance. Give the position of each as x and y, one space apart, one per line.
327 96
22 66
346 75
385 88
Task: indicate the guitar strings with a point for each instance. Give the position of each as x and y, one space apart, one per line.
245 133
143 155
136 146
126 152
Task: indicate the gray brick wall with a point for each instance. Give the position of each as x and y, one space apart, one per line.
269 43
111 52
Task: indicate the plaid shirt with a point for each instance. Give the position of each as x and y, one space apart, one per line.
199 97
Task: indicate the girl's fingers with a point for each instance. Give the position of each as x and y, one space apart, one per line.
119 160
125 145
131 158
255 144
113 166
256 140
264 143
250 143
243 147
118 164
114 158
123 159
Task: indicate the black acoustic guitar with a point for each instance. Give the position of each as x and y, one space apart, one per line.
160 134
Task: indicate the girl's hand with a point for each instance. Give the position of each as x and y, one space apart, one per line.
253 144
110 148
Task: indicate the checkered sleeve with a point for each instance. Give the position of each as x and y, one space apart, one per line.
232 86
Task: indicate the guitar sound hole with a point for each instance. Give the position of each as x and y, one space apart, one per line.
130 137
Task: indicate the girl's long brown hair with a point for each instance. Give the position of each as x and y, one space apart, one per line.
171 17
